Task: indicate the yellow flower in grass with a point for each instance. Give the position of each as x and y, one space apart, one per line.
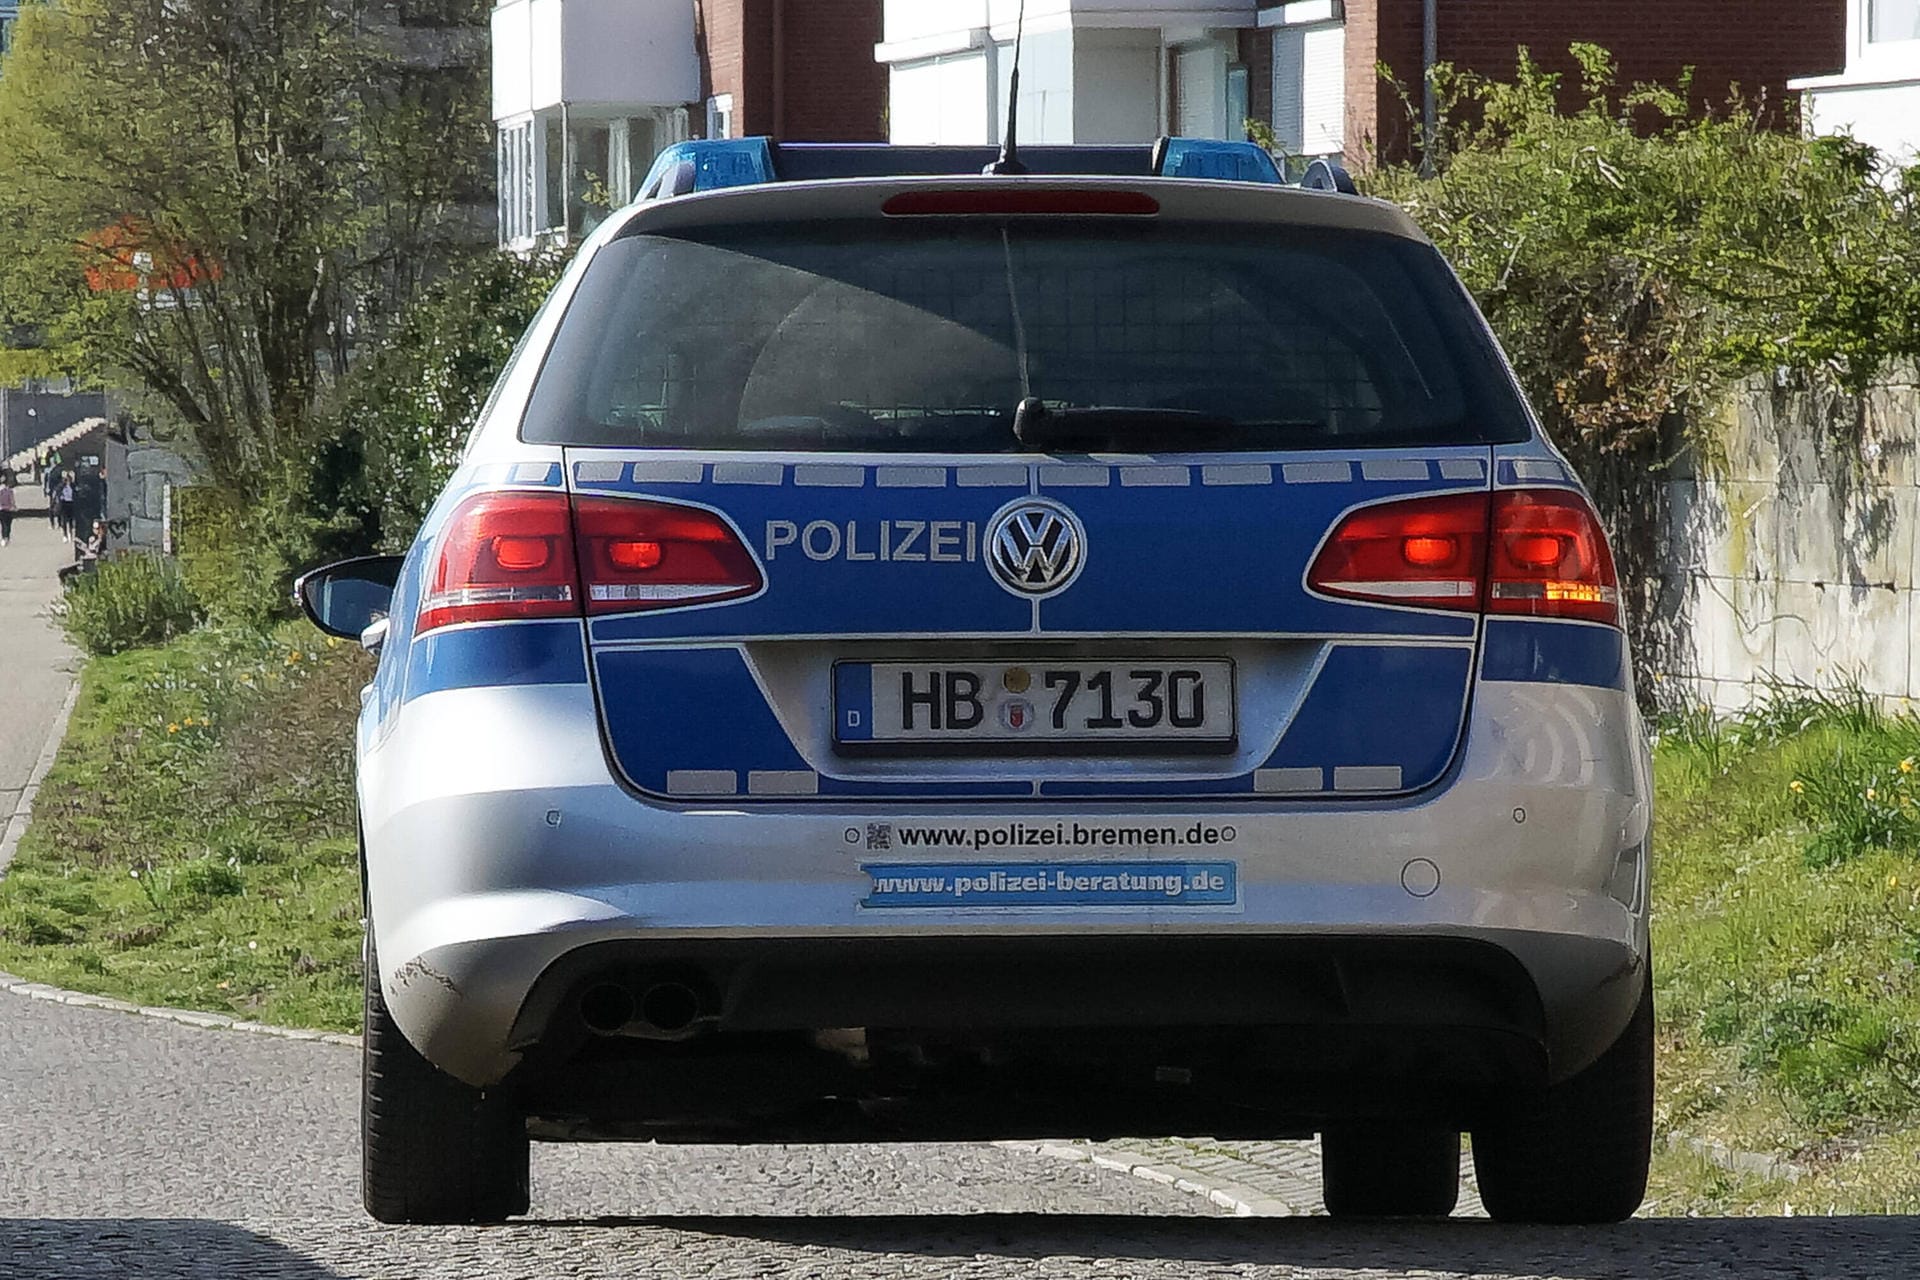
1872 794
1906 766
1893 882
173 728
1796 786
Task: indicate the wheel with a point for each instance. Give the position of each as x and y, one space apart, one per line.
1390 1172
1577 1152
434 1150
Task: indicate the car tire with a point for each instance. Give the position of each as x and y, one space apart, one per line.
1390 1172
1577 1152
434 1150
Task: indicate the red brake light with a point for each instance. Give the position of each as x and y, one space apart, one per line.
502 555
1424 551
1535 552
1016 201
1550 558
636 554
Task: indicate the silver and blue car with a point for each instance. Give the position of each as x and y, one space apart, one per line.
911 654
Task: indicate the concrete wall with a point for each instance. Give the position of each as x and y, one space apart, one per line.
1796 551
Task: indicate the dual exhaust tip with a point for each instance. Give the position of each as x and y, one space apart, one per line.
660 1010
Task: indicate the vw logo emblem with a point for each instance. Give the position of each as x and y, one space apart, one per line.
1035 547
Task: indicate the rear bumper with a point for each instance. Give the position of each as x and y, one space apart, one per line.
501 883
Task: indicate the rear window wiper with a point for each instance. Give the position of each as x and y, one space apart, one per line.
1096 428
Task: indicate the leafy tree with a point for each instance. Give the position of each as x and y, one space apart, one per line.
226 200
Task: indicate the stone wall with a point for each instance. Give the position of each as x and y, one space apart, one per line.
1792 554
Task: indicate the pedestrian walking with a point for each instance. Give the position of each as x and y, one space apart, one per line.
50 481
63 504
6 508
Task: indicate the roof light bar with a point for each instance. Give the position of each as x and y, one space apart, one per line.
711 164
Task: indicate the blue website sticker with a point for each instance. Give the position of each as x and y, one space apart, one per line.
1051 884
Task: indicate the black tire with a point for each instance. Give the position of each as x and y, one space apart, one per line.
433 1150
1380 1171
1577 1152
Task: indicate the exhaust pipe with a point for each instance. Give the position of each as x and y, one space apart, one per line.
606 1008
661 1011
669 1008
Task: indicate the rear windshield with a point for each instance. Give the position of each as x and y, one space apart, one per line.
928 335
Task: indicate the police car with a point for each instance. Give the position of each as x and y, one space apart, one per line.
919 654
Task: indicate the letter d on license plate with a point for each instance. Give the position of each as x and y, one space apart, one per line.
1051 884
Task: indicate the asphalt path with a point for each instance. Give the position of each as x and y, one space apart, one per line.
135 1147
36 664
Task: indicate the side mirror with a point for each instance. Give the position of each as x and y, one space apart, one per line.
348 598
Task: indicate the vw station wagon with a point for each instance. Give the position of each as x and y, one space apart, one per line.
915 654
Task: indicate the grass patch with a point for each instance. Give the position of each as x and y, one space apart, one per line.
1787 947
194 843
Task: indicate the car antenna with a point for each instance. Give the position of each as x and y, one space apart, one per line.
1008 165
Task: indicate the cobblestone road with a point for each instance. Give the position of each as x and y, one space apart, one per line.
132 1147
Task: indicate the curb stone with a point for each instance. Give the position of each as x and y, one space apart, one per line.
23 808
186 1017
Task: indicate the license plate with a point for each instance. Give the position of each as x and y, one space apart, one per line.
1047 706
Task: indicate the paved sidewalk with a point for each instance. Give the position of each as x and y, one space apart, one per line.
36 663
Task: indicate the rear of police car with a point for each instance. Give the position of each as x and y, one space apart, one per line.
947 657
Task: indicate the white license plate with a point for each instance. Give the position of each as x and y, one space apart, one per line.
1169 703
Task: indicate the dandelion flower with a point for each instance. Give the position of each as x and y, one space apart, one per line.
253 946
1796 786
174 728
1906 766
1872 794
1893 881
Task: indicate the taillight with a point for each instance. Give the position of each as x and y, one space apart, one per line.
502 555
1536 552
636 554
1428 552
1550 558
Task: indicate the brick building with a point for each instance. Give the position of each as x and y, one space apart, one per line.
1122 70
1756 45
587 92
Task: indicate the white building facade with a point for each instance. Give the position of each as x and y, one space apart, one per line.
585 94
1117 71
1876 99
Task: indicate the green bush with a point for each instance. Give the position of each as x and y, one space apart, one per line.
235 572
126 602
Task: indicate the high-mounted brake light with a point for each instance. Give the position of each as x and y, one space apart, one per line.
1533 552
502 555
637 554
1019 201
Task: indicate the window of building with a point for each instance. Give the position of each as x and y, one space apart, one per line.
1309 91
720 116
1239 91
1890 20
516 176
6 33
